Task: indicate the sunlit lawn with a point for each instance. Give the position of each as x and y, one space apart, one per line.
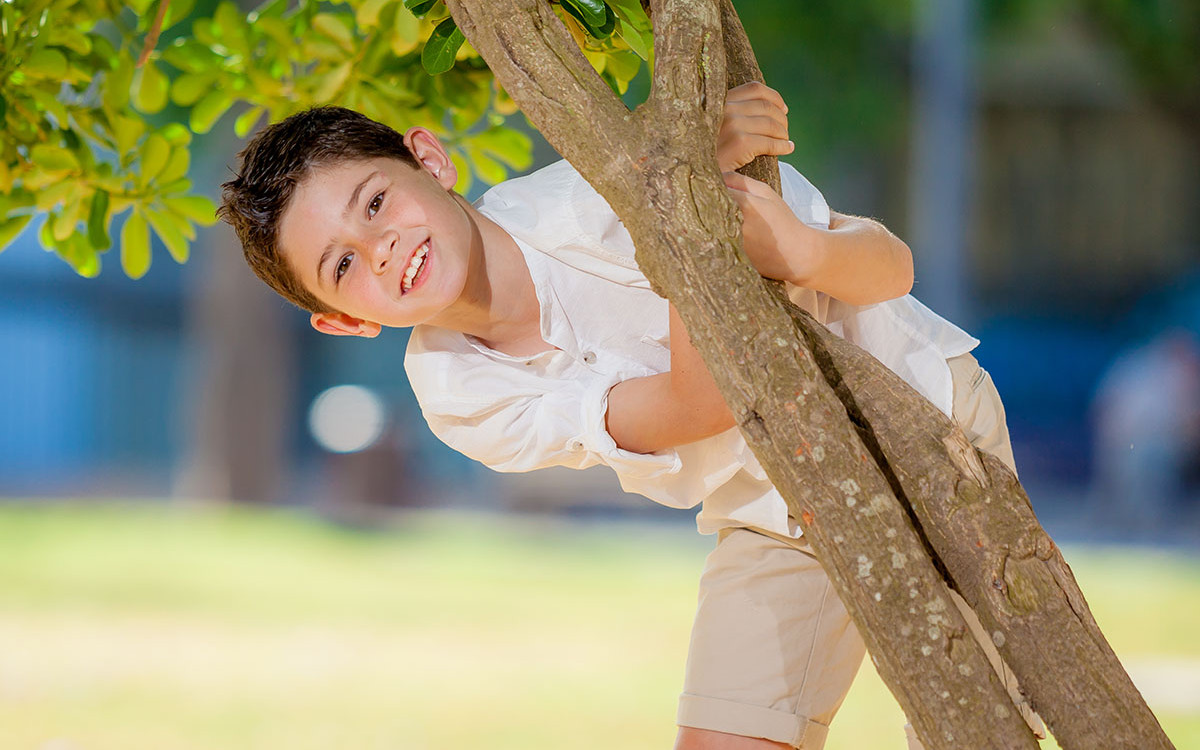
164 628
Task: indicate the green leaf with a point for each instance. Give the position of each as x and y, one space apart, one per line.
46 63
332 82
595 15
127 131
269 9
406 33
189 56
177 166
171 188
277 30
53 158
168 230
623 66
322 49
79 254
197 208
150 89
333 27
154 155
73 39
488 169
464 172
48 103
135 246
45 239
66 221
631 13
50 196
190 87
98 221
641 43
420 7
104 54
508 145
117 84
247 120
227 20
19 199
208 110
11 228
589 12
177 11
176 134
442 46
367 15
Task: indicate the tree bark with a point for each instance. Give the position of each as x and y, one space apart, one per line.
855 487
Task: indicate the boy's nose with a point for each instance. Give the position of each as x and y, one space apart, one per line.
381 249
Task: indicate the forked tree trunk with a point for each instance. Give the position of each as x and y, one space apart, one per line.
894 500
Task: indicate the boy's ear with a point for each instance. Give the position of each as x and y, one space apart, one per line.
430 153
341 324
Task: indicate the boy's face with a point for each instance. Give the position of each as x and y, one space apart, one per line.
383 242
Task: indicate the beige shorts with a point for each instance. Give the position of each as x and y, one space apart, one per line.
773 651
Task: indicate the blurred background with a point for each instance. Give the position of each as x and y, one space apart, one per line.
1041 158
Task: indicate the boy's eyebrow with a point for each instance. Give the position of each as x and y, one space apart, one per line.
345 214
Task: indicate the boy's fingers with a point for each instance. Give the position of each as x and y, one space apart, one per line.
757 125
750 147
756 108
755 90
737 182
743 184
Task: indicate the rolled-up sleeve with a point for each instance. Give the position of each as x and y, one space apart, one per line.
514 421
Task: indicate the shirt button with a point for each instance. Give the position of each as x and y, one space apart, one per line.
575 445
589 358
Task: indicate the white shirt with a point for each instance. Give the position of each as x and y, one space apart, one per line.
518 414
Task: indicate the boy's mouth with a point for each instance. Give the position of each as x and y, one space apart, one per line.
414 267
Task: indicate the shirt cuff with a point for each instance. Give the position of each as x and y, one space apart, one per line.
596 440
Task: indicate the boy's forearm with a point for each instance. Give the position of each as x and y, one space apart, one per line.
670 409
859 262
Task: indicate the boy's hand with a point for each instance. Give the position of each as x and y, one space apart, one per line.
855 260
754 124
779 245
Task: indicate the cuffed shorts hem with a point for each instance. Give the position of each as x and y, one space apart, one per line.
714 714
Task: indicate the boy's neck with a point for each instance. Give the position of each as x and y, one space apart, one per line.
500 305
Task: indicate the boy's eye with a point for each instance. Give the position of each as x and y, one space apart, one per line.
342 266
375 204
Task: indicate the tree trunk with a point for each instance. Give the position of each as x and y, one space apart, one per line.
238 385
886 519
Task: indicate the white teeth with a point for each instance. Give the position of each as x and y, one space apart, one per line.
414 266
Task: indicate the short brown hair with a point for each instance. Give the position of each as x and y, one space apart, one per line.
278 159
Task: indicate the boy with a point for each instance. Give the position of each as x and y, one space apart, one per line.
538 342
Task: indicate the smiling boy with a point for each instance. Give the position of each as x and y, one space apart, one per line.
537 342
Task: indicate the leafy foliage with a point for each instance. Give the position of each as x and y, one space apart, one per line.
88 135
75 144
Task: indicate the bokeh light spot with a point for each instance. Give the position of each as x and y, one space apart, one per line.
346 418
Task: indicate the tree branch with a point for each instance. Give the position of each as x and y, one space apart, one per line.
661 180
742 67
689 70
542 68
978 521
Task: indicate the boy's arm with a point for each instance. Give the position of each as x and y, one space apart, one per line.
673 408
856 260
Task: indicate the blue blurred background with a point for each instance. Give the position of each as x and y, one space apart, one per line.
1040 159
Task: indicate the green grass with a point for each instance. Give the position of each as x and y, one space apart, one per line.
140 627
